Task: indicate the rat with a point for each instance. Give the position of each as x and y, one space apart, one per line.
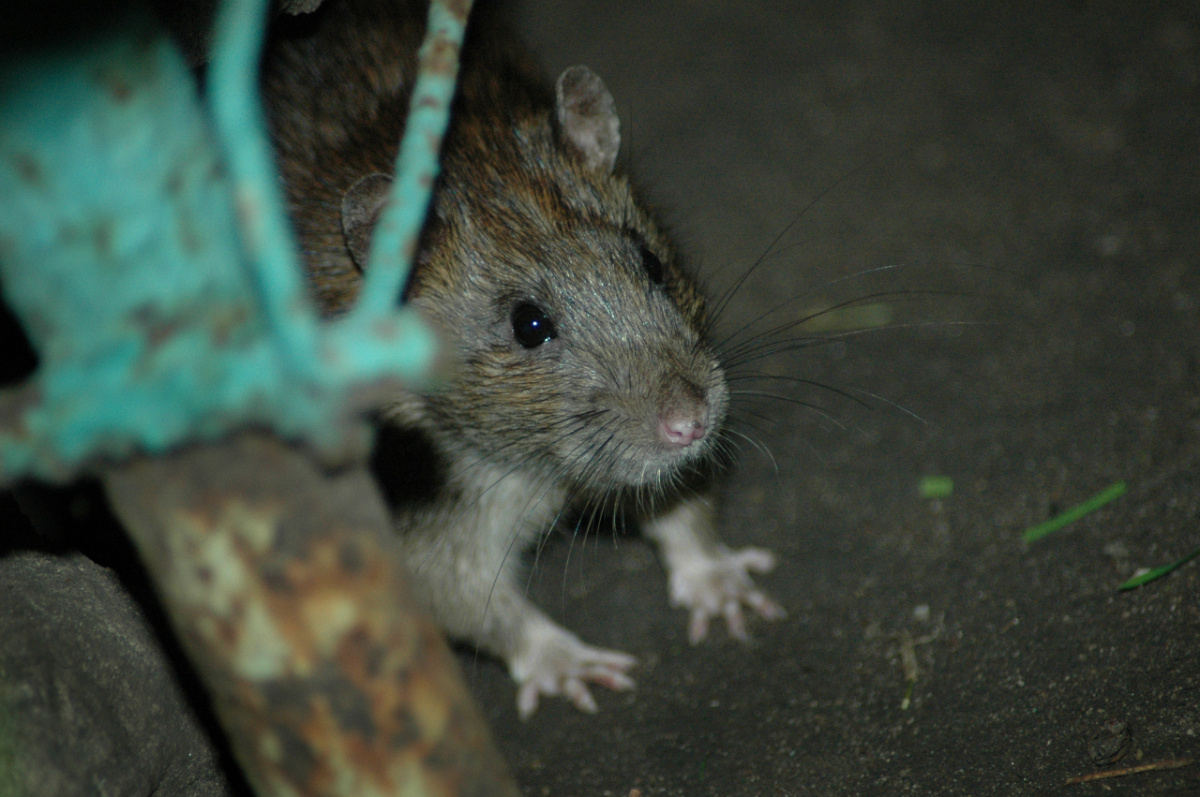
586 381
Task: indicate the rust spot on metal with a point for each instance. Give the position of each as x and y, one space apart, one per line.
442 58
374 658
286 696
175 182
201 516
117 86
459 8
405 730
348 703
102 237
190 240
217 172
350 557
28 169
430 102
296 756
276 580
384 330
68 235
321 667
39 326
248 211
15 405
233 319
158 330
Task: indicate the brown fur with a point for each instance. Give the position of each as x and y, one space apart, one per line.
525 210
517 215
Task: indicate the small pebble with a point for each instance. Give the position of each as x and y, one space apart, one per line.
1109 743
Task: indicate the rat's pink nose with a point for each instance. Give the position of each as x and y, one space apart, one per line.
681 430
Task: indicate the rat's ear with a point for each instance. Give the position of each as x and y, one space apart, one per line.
587 117
361 206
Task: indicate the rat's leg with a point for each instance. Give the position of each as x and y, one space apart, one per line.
463 561
704 575
549 660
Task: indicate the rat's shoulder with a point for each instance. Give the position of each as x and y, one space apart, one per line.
336 86
350 66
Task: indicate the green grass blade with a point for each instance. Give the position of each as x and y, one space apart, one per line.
1157 572
936 487
1075 513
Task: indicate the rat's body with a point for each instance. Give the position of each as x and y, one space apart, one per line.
584 376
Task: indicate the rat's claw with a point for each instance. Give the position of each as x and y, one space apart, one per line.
760 560
555 662
766 608
579 695
697 625
735 621
719 584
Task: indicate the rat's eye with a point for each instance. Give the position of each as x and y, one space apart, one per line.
531 326
653 266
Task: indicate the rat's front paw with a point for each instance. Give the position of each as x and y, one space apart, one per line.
556 662
719 584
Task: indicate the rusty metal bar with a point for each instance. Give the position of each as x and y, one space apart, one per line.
394 242
284 585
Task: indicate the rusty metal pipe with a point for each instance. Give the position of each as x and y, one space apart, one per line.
283 583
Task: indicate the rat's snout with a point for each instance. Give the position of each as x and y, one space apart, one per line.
681 428
684 410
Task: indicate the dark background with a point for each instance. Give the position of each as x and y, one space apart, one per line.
1039 163
1023 181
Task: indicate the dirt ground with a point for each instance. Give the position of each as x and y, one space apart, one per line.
1016 189
1039 165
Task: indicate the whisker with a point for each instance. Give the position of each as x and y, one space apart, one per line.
793 299
818 409
760 446
765 336
797 380
795 344
728 294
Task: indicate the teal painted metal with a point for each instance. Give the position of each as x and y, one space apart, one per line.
155 274
238 32
394 242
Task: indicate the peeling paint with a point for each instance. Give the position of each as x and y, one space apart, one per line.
262 652
331 617
326 674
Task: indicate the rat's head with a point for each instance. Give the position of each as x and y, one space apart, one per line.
580 341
